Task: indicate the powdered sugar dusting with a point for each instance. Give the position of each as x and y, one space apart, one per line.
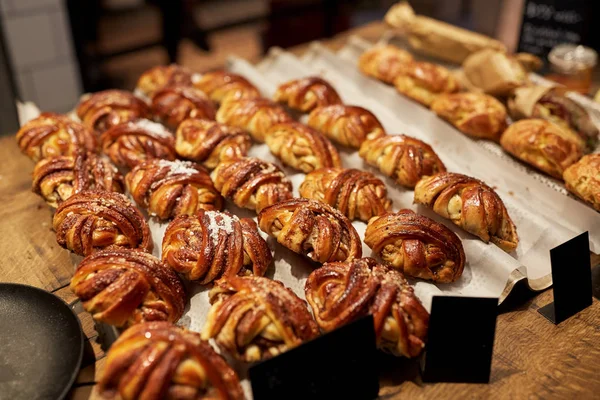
178 167
218 221
153 127
196 77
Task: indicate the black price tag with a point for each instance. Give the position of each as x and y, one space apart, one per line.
461 339
338 365
571 279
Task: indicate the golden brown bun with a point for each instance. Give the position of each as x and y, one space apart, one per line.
383 62
583 179
223 86
423 82
253 115
307 94
161 76
174 104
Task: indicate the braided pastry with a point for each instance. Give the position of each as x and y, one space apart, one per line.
123 287
103 110
158 360
56 179
93 220
383 62
356 194
470 204
129 144
174 104
423 82
253 115
171 188
402 158
210 143
252 183
307 94
417 246
347 125
342 292
301 147
314 229
254 318
583 179
222 86
52 135
161 76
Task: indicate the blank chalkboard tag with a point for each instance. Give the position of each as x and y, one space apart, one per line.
461 339
338 365
571 278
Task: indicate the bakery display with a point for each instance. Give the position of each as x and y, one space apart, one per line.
423 81
252 183
123 287
174 104
346 125
356 194
93 220
313 229
51 135
402 158
210 245
222 86
301 147
493 72
384 62
583 179
470 204
342 292
416 245
209 142
158 360
170 188
161 76
306 94
254 318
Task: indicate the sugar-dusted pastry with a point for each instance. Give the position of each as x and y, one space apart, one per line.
313 229
583 179
402 158
423 81
357 194
209 142
161 76
475 114
52 135
210 245
416 245
306 94
124 287
136 141
254 318
170 188
252 183
470 204
302 147
158 360
103 110
174 104
94 220
58 178
543 144
342 292
347 125
384 62
222 86
253 115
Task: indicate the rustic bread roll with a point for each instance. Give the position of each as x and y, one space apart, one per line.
222 86
161 76
423 82
174 104
583 179
494 72
307 94
383 62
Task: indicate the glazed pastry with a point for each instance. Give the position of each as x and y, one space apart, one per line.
347 125
402 158
158 360
417 246
253 115
583 179
103 110
210 143
342 292
311 228
94 220
56 179
470 204
307 94
384 62
161 76
423 82
356 194
252 183
474 114
543 144
123 287
174 104
53 135
210 245
254 318
301 147
223 86
170 188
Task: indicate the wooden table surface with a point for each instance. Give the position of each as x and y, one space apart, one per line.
533 358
